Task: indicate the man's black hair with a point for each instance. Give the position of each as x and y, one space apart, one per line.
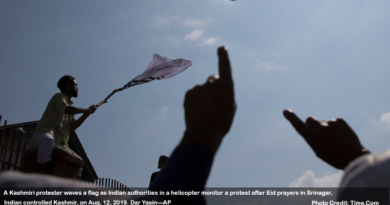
63 82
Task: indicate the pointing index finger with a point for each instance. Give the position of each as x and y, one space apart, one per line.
225 71
297 123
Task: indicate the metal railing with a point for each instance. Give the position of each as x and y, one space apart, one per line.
110 184
8 150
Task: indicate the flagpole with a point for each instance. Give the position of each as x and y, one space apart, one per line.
111 94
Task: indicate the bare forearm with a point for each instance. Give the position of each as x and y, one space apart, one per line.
78 122
72 110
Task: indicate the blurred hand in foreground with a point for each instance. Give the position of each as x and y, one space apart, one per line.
210 108
332 141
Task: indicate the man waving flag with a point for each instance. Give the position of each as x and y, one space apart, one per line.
159 68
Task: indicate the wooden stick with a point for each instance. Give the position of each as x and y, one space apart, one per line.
111 94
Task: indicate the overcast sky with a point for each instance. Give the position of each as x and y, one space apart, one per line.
325 59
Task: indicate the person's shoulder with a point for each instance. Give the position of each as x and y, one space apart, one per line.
58 96
155 173
360 171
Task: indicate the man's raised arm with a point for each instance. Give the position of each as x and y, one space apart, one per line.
86 114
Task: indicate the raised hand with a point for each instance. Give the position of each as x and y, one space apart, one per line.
210 108
332 141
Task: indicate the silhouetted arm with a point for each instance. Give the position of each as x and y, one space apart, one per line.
81 119
209 113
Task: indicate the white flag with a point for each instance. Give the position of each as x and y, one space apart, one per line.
160 68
